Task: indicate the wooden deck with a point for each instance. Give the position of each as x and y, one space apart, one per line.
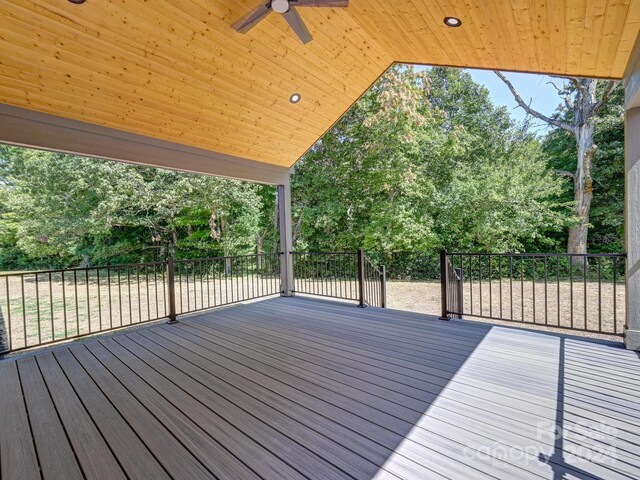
292 388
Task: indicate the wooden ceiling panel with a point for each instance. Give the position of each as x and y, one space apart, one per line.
175 69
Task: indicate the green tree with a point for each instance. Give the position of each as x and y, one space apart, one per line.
425 160
59 209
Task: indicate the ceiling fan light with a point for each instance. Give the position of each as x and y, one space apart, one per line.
452 22
77 2
280 6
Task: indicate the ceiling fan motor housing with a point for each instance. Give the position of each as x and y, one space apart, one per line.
280 6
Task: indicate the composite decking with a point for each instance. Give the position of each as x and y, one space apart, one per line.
293 388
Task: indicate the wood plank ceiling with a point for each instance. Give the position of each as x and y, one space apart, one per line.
176 70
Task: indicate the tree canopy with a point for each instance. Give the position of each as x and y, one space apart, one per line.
423 160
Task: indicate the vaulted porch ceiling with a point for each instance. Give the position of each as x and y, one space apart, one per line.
176 70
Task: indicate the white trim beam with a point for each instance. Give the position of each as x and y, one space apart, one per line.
286 239
632 198
32 129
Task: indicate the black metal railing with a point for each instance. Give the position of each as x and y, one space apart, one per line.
343 275
203 283
570 291
44 307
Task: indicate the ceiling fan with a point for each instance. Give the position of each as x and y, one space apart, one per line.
287 8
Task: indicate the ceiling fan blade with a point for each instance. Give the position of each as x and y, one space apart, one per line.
294 20
252 18
320 3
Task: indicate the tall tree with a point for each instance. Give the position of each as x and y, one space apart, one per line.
583 100
425 160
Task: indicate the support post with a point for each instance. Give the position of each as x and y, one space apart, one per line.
286 239
171 290
444 313
631 84
383 286
632 227
361 299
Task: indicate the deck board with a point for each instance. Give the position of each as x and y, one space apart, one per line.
54 451
18 458
94 455
295 388
214 456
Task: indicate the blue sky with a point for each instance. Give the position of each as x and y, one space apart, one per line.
531 87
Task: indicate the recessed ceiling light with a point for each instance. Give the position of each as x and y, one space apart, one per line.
452 21
77 2
295 98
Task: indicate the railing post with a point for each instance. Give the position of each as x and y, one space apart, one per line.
361 300
443 285
383 286
460 285
171 287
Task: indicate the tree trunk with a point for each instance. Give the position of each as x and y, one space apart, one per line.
227 262
582 196
258 252
582 190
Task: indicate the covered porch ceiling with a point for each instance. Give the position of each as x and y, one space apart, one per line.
175 71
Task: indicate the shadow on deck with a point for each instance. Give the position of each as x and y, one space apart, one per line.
291 388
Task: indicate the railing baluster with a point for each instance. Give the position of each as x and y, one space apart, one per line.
480 284
75 290
24 312
64 306
490 288
53 334
109 296
522 289
10 338
220 267
571 286
139 296
119 294
511 284
155 288
546 296
206 267
471 282
86 281
615 295
500 276
585 274
99 299
600 294
558 287
533 268
164 292
38 309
